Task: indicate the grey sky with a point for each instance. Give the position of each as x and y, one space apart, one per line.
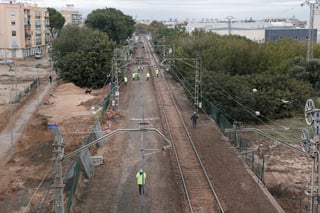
198 9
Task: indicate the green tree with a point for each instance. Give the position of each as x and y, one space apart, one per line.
83 56
155 27
142 28
56 21
232 66
280 52
118 26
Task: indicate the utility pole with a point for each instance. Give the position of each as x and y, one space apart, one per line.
116 82
197 83
115 76
312 147
311 21
38 86
11 125
198 77
229 21
58 152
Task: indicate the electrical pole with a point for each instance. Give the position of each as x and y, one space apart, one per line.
311 21
58 152
197 80
312 147
197 84
229 18
38 85
11 125
115 82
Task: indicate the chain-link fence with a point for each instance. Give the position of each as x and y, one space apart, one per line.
18 97
91 137
74 184
251 156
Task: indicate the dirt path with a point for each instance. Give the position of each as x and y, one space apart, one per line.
9 136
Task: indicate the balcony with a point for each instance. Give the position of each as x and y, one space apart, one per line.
27 25
27 35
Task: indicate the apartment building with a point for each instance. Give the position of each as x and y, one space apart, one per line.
23 30
72 16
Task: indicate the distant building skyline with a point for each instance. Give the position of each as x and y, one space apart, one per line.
190 9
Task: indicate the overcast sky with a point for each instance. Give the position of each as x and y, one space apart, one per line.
198 9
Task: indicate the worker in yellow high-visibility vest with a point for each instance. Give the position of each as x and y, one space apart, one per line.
125 79
148 75
133 76
157 73
141 180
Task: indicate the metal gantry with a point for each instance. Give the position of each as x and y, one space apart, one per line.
197 67
58 154
197 80
312 147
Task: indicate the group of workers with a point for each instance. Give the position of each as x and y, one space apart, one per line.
140 68
137 76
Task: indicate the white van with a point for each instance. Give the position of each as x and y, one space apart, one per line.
38 55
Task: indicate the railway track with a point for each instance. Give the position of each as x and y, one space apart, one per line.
199 191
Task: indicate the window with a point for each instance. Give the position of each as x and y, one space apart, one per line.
13 13
13 23
13 33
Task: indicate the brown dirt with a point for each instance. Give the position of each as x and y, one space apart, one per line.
66 105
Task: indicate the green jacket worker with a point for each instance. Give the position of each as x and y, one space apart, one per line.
141 180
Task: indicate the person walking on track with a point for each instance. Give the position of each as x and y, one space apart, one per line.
194 119
141 180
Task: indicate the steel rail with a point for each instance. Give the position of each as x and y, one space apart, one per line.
190 141
153 62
